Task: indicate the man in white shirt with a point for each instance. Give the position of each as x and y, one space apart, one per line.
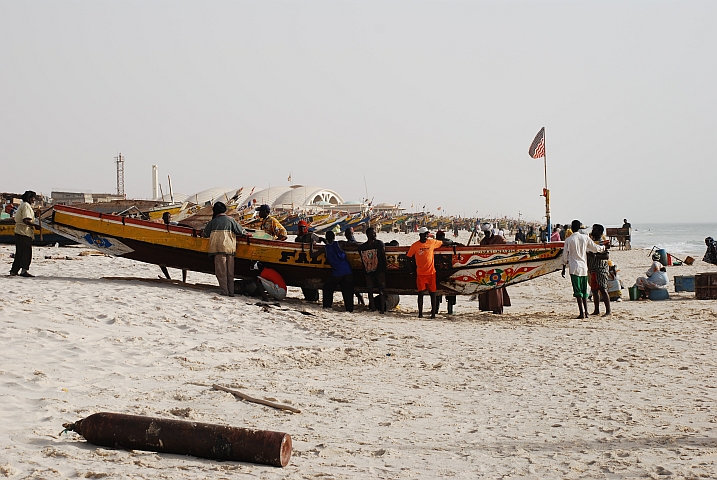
575 256
24 234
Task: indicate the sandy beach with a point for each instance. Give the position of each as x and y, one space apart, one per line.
533 393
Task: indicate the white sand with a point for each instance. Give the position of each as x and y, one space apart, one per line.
532 393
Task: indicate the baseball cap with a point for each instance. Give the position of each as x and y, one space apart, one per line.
423 230
263 208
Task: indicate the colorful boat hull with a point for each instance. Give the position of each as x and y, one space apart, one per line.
460 270
7 235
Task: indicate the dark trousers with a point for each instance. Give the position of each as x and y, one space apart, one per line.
346 285
310 294
23 253
450 302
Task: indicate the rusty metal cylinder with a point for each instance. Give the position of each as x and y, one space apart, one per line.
205 440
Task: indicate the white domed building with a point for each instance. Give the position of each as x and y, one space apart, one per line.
302 197
266 196
221 194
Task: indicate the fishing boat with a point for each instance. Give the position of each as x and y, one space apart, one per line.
461 270
156 213
358 222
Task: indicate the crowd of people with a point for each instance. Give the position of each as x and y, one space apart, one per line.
222 231
585 254
587 257
593 274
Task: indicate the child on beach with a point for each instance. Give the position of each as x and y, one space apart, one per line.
614 284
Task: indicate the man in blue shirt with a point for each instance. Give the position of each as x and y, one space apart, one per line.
341 273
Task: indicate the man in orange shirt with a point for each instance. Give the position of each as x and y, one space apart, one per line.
422 250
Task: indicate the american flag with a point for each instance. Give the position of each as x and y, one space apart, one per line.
537 148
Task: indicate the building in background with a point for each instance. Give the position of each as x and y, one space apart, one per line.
74 198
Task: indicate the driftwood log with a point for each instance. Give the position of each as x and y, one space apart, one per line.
260 401
196 286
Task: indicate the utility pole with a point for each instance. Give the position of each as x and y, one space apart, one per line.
119 159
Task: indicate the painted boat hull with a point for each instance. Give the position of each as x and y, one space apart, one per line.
459 270
7 236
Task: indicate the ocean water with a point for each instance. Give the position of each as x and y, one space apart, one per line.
676 238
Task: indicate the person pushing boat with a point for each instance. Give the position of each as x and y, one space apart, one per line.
341 273
422 250
373 257
304 236
222 231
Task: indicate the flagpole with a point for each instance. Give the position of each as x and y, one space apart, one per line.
547 196
546 192
536 148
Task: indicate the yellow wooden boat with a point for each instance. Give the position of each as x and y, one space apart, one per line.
461 270
174 209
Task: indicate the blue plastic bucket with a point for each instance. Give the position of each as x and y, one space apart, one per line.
663 256
659 294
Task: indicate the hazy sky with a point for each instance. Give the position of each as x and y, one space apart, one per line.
434 102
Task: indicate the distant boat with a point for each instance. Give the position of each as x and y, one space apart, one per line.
461 270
